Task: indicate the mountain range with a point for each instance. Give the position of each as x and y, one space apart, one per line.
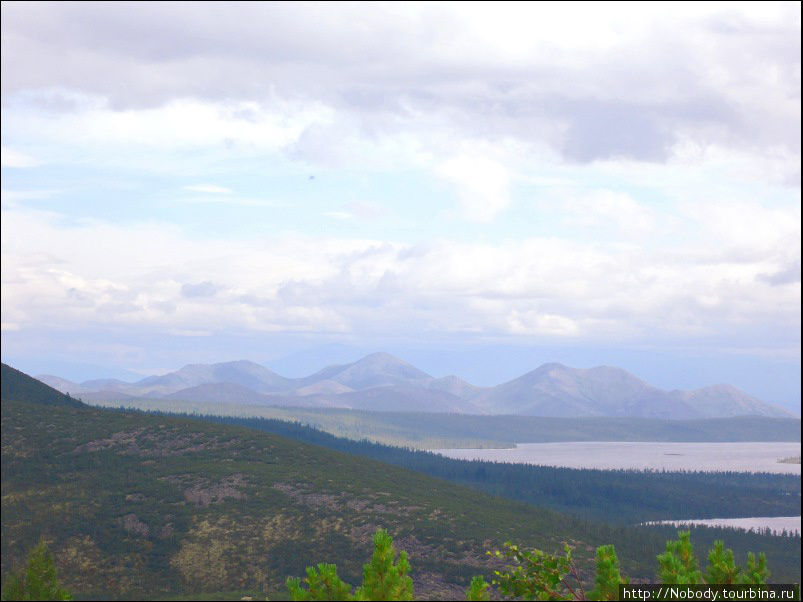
382 382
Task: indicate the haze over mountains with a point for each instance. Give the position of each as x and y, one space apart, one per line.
383 382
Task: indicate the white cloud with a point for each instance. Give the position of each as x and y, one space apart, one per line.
527 112
79 277
601 209
482 185
158 138
14 158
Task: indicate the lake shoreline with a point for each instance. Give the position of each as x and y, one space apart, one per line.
758 457
776 524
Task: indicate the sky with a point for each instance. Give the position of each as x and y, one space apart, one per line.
475 187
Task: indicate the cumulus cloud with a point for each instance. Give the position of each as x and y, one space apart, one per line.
618 82
620 172
535 286
14 158
482 185
202 289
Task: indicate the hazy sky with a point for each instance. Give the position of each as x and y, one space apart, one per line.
205 182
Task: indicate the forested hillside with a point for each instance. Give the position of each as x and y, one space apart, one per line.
18 386
618 496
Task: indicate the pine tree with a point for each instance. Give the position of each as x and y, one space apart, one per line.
608 578
721 567
38 580
322 584
478 590
755 573
383 577
679 564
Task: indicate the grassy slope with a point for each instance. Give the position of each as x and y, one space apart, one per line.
433 431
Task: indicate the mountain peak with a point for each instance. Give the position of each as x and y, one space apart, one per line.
381 357
552 366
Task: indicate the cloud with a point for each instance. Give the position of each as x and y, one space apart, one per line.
699 289
787 275
482 185
13 158
611 83
602 210
202 289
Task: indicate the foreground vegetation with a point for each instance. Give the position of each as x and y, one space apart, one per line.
532 574
526 574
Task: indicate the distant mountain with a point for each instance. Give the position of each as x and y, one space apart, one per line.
398 398
560 391
18 386
105 384
324 387
382 382
61 384
220 392
724 400
243 373
374 370
456 386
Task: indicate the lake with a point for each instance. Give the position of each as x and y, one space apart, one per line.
711 457
777 524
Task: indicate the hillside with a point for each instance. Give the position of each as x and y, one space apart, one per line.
136 505
18 386
382 382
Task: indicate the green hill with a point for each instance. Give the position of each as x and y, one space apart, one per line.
18 386
146 506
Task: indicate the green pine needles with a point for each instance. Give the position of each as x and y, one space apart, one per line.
530 574
384 577
37 581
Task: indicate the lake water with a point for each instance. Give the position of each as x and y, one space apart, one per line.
777 524
711 457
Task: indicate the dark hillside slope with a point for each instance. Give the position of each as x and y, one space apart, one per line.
137 505
18 386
